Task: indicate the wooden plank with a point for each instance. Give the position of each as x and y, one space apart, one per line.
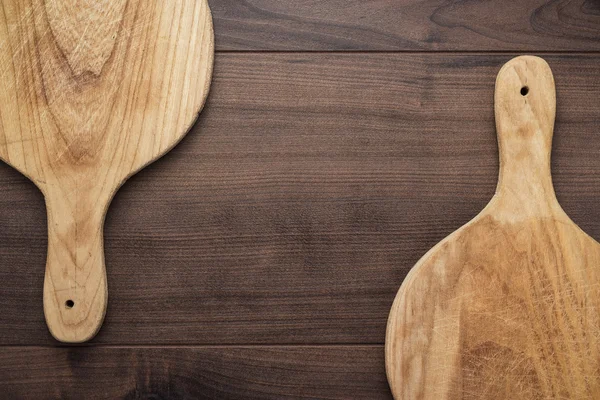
293 210
526 25
273 372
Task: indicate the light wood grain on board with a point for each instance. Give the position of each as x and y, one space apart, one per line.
507 307
90 92
292 212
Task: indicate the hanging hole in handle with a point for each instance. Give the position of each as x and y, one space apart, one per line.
69 303
524 91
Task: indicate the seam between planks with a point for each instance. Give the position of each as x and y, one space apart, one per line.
457 52
191 346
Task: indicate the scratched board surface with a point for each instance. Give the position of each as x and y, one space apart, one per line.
259 259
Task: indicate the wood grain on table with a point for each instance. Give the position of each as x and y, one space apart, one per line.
286 220
257 372
407 25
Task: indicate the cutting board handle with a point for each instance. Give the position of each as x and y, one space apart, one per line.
525 108
75 289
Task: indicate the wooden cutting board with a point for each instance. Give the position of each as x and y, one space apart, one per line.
506 307
91 91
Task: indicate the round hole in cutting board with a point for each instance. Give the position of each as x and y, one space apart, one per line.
69 303
524 91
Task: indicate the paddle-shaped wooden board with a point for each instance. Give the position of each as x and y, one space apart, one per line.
91 91
506 307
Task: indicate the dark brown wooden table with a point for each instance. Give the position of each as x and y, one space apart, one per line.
341 140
